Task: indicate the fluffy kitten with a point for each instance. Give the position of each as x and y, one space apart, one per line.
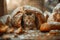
29 21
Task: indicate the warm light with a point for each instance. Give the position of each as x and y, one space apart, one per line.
7 1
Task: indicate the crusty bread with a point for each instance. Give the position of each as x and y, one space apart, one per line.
3 28
50 26
45 27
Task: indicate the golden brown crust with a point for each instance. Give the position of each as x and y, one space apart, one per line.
3 29
40 17
45 27
50 26
10 30
19 31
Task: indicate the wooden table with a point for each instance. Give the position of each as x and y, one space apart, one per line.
36 35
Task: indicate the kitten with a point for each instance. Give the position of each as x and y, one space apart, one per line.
29 21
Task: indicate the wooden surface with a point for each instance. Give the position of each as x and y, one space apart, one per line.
35 35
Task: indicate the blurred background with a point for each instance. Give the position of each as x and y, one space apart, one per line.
7 6
12 4
50 4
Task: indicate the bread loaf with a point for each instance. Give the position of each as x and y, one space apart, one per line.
50 26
